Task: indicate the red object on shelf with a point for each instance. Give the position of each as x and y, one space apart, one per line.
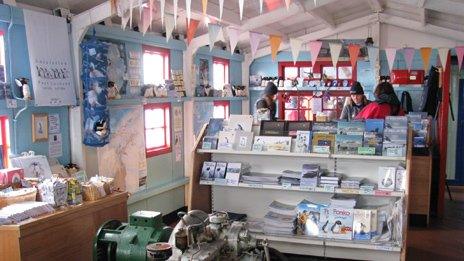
407 77
11 176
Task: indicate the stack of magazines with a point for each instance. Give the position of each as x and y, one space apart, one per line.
310 175
258 178
18 212
331 179
279 219
344 201
290 176
352 183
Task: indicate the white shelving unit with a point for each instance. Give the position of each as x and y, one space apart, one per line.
253 199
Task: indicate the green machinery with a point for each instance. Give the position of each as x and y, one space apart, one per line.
128 241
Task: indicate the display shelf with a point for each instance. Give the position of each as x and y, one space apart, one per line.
376 193
311 155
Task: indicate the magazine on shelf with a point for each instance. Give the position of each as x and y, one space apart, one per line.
352 182
220 171
291 174
310 175
226 140
387 178
243 140
214 127
233 173
274 143
278 220
364 224
239 122
396 122
372 140
336 222
291 181
209 143
350 127
258 178
308 218
323 139
282 208
348 144
255 225
303 141
374 125
207 172
344 201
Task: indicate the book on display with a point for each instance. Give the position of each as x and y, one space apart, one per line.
207 172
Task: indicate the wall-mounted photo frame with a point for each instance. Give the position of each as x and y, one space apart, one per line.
39 127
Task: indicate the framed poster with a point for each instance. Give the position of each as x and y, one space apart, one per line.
39 127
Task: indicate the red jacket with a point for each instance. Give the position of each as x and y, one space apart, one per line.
375 110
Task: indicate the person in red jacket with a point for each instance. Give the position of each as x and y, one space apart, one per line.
386 104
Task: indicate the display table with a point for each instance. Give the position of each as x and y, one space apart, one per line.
63 235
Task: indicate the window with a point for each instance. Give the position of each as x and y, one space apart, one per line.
5 141
221 109
157 129
220 73
155 65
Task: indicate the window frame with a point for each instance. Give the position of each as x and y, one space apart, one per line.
4 123
226 64
226 105
166 53
318 68
167 147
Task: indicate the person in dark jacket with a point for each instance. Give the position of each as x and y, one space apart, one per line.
355 103
386 104
267 100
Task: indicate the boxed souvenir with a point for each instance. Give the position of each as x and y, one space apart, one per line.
323 140
220 170
243 140
207 172
11 176
387 178
53 191
308 218
303 141
348 144
234 170
350 127
226 140
273 143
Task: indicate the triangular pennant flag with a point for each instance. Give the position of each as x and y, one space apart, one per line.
151 6
188 9
425 53
140 4
176 2
391 54
408 54
221 8
213 32
274 42
145 21
114 6
131 7
287 3
353 51
191 29
460 54
169 26
314 49
240 6
221 36
335 49
443 53
255 39
295 46
204 4
260 6
373 53
233 34
162 5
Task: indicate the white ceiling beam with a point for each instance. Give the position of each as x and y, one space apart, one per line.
446 6
421 3
322 15
423 16
353 24
375 5
310 4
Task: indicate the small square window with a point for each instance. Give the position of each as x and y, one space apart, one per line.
155 65
157 129
221 109
220 73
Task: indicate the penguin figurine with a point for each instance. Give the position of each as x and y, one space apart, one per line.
23 84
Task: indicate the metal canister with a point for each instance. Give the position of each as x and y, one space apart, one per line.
159 251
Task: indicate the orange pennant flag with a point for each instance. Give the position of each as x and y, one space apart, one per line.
425 53
204 5
274 42
191 29
353 50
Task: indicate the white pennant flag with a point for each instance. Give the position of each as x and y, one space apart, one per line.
443 53
188 5
233 34
175 12
213 32
335 49
162 4
140 3
255 39
151 6
260 6
131 6
169 26
295 46
221 8
373 53
240 6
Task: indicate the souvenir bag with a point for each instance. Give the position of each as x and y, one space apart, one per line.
95 82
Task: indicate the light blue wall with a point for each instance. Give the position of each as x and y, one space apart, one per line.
20 67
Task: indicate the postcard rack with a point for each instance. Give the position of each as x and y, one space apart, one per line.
254 199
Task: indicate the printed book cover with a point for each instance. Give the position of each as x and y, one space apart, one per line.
308 218
239 122
209 143
243 140
233 173
374 140
207 172
396 122
340 225
328 127
226 140
374 125
348 144
310 175
214 127
324 139
350 127
362 227
274 143
220 171
303 141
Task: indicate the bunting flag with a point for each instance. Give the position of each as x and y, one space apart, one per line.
114 6
287 3
221 8
204 5
335 49
408 54
162 4
191 29
145 21
353 50
314 49
255 39
460 54
260 6
373 53
176 2
233 34
425 53
443 53
131 7
169 26
140 4
151 6
391 55
188 9
295 46
240 7
213 32
274 42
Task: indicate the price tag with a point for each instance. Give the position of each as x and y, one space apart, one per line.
321 149
329 188
286 185
307 188
255 185
366 190
220 182
349 191
384 247
382 193
366 150
206 182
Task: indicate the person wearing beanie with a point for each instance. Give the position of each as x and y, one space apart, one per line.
355 103
267 100
386 104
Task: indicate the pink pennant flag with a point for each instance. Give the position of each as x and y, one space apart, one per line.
151 6
287 3
255 39
145 20
314 49
408 54
233 34
391 54
353 50
460 54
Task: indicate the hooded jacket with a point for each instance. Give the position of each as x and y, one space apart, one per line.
385 105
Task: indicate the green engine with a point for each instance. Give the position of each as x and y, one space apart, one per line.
121 241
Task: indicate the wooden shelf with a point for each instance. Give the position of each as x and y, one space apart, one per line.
375 193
